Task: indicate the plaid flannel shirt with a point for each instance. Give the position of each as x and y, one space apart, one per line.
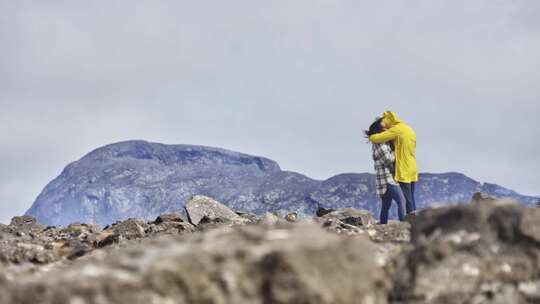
384 160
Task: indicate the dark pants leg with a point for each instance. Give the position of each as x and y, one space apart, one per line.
413 185
400 201
392 193
408 192
386 201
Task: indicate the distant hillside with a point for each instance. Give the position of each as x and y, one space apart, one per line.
142 180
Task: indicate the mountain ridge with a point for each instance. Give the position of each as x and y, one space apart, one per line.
143 179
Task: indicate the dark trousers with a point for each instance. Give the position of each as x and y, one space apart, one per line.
392 193
408 192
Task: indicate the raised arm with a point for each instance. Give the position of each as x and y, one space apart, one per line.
383 137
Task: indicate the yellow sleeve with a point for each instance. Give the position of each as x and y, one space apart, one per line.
383 137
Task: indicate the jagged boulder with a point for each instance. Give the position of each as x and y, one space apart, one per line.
473 253
251 264
130 229
201 206
25 225
169 223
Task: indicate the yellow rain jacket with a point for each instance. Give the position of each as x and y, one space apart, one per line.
404 139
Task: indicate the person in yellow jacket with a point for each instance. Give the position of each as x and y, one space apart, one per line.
404 139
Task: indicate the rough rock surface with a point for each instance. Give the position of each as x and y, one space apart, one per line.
475 253
352 217
25 244
302 264
200 207
169 223
25 224
487 251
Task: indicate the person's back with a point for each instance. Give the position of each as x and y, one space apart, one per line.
404 139
405 143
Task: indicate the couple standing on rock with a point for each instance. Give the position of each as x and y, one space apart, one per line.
394 154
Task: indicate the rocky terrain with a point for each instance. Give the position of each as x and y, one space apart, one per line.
484 251
138 179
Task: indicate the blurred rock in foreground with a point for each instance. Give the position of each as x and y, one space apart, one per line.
487 251
251 264
484 252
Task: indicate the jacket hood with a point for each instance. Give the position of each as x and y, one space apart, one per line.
390 119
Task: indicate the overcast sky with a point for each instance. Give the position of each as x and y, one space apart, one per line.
295 81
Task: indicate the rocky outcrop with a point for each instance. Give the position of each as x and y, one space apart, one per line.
24 225
169 223
200 207
25 242
484 252
301 264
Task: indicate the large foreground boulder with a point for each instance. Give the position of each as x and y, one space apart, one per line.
484 252
201 206
298 264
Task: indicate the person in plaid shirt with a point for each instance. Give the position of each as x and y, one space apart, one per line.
386 186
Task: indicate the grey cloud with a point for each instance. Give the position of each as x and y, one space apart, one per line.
296 81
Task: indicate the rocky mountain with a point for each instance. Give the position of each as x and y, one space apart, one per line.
138 179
